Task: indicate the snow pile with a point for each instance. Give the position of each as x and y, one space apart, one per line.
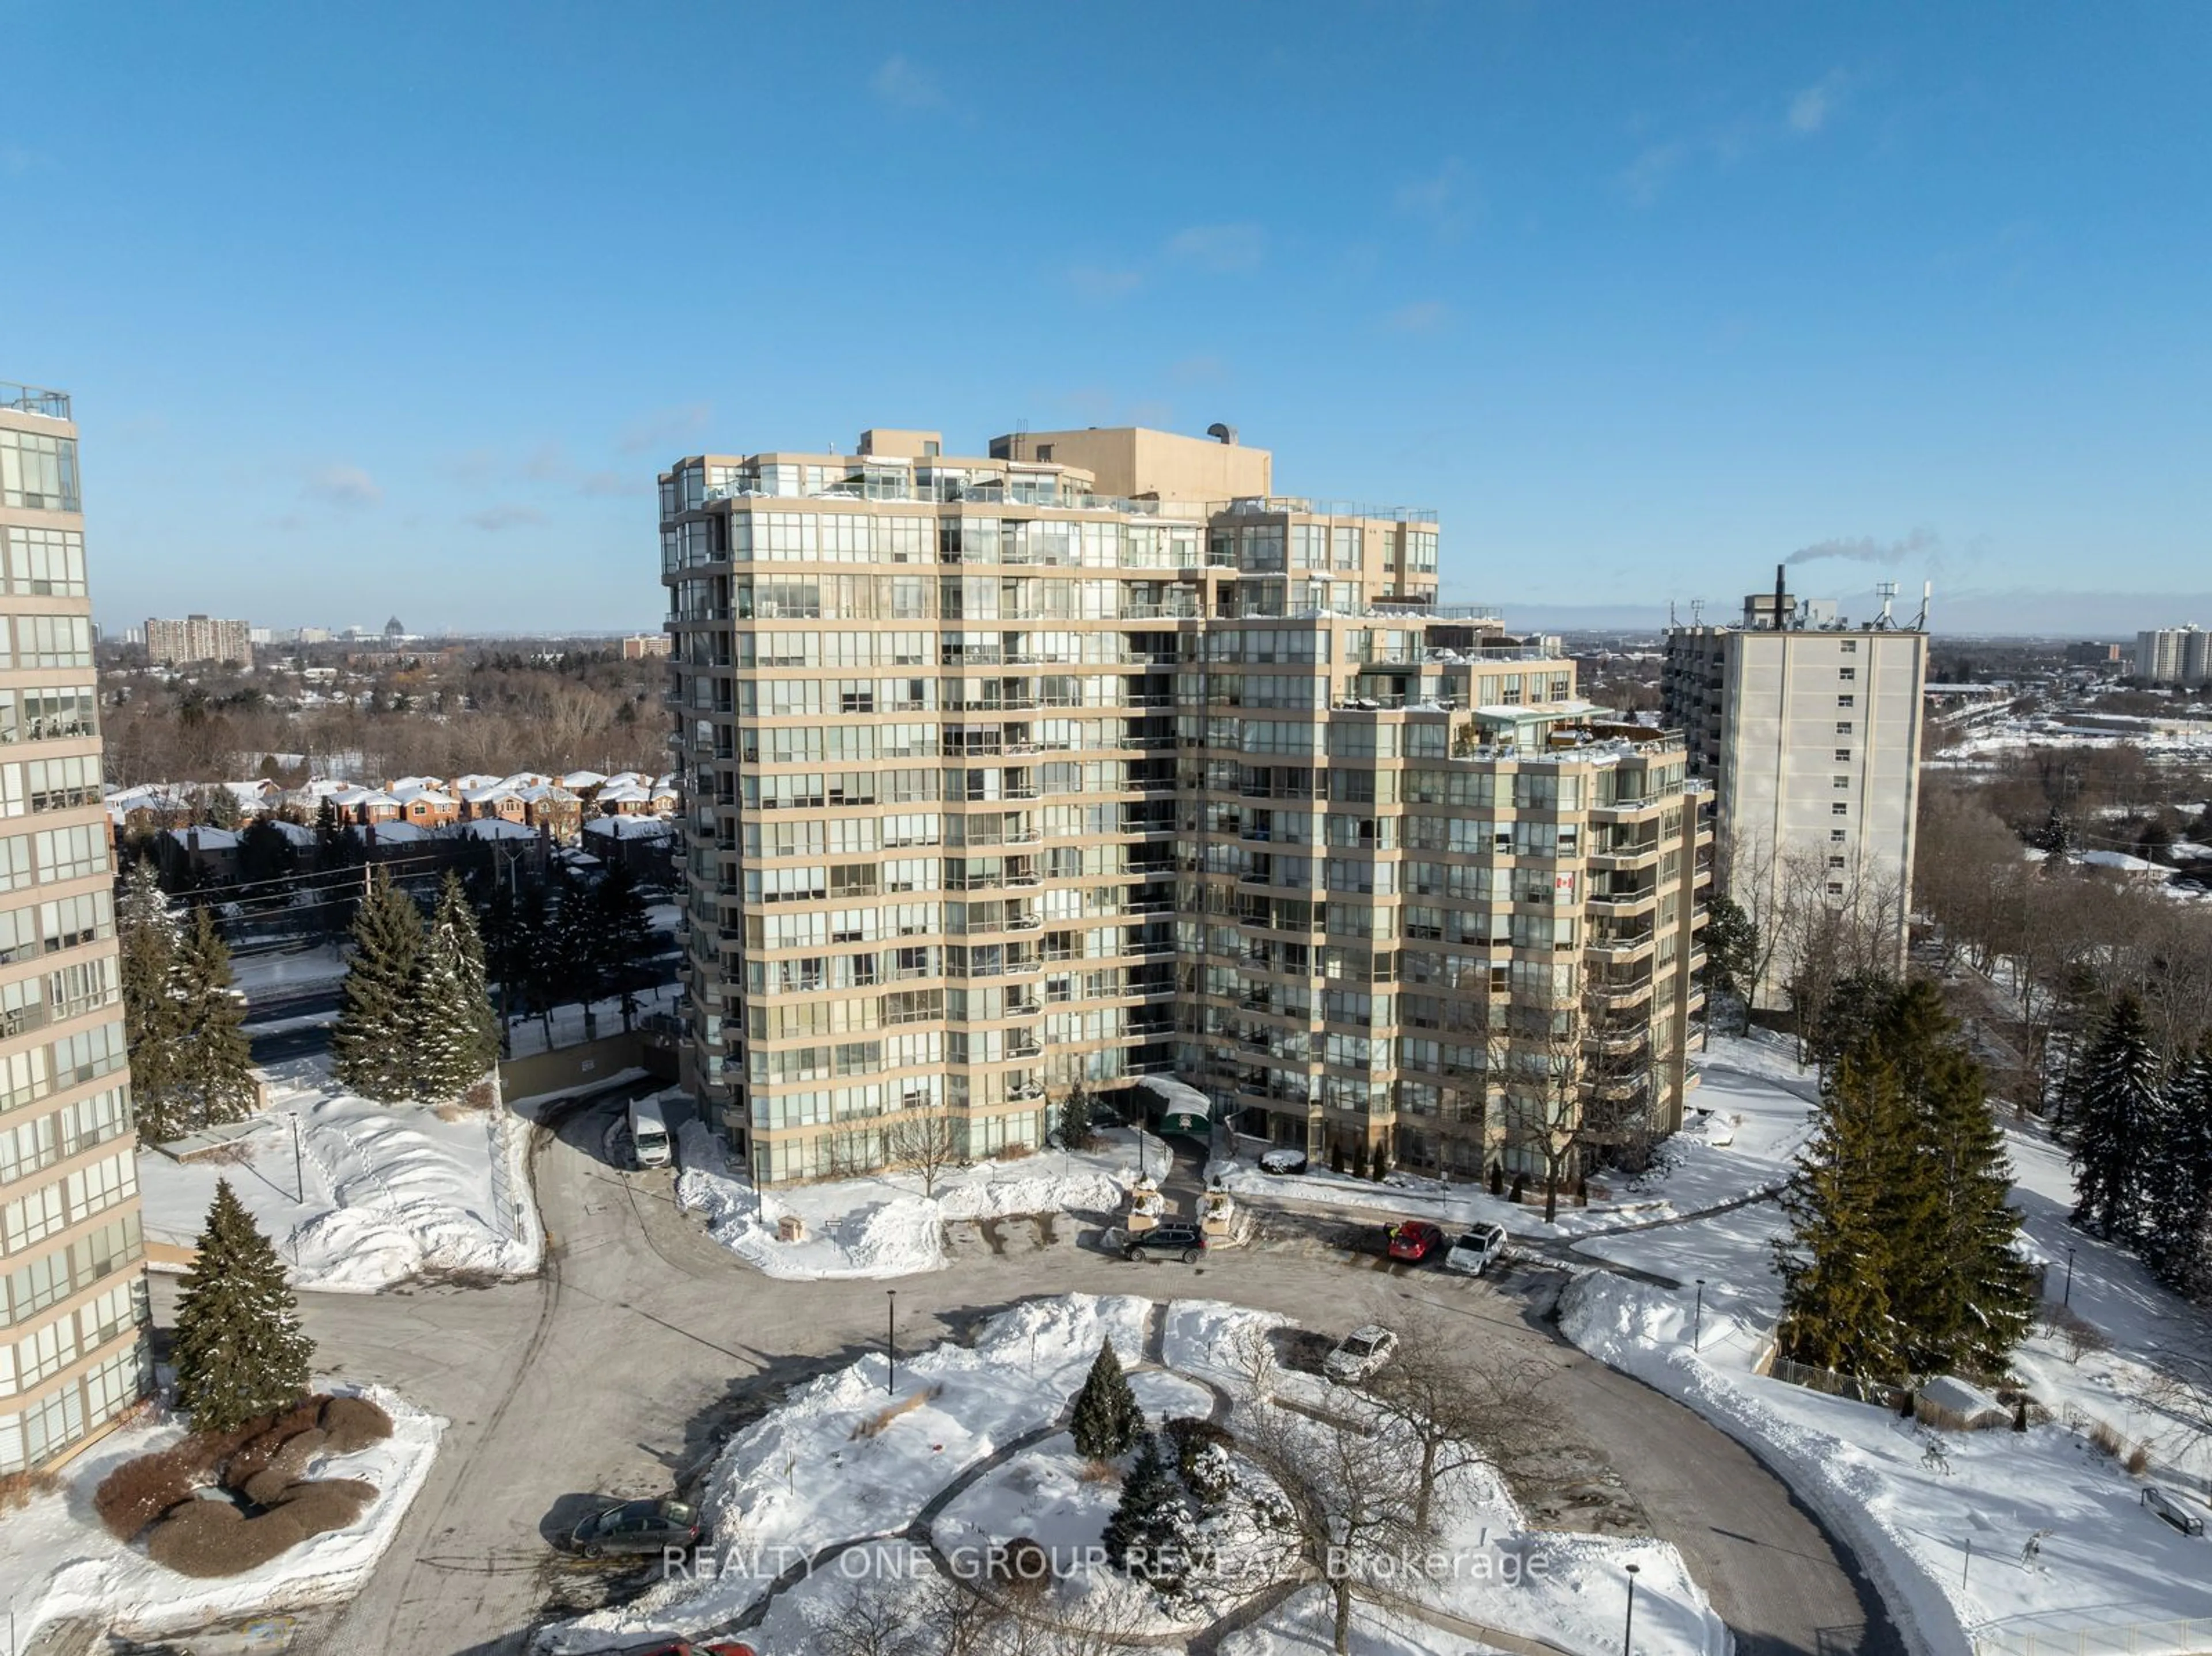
374 1193
882 1225
57 1562
849 1456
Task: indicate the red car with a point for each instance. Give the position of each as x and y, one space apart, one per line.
1414 1239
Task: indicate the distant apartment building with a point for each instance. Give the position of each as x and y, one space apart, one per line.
198 638
1808 730
73 1315
640 646
2174 655
1092 759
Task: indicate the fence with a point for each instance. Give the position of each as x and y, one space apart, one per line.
2188 1638
1836 1385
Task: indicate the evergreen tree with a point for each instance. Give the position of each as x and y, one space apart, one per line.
1961 1291
239 1350
1144 1538
370 1043
452 1033
1847 1015
1731 951
620 936
1078 1128
1836 1264
2177 1237
214 1061
148 940
1106 1419
2114 1111
329 837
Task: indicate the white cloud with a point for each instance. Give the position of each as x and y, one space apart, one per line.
614 483
343 486
1646 176
1816 106
1439 202
903 84
1220 248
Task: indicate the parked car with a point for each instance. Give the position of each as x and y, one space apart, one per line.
633 1527
2171 1509
1412 1239
1359 1354
1185 1242
1475 1252
1282 1160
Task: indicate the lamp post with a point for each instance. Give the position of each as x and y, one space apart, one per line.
1628 1631
890 1342
1697 1322
2068 1299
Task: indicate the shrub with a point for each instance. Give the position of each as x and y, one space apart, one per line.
1016 1152
1023 1566
206 1538
2106 1440
352 1424
2138 1460
1200 1457
20 1488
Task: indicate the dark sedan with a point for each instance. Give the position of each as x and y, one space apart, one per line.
635 1527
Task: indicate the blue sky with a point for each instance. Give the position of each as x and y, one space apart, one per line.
398 308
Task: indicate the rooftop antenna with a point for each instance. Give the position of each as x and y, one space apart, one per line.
1886 592
1696 612
1022 440
1927 592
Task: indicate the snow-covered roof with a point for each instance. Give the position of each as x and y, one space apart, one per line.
2120 862
484 796
526 779
435 797
210 839
622 793
492 827
475 781
545 793
415 784
583 779
630 827
390 834
298 832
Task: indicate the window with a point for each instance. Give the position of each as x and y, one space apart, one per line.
45 562
1847 700
53 641
1843 727
1843 756
1842 781
1835 862
1850 647
1835 888
1847 673
1839 809
37 472
1837 836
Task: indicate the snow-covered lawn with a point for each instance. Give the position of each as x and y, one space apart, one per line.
881 1224
273 974
835 1467
1943 1534
58 1563
1741 1131
375 1194
528 1037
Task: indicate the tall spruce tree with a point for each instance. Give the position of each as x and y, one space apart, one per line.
214 1079
1144 1538
1106 1418
239 1350
452 1033
620 936
2178 1234
1837 1262
148 938
2115 1112
369 1045
1961 1294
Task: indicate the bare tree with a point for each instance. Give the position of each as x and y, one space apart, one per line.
924 1141
1461 1407
1347 1502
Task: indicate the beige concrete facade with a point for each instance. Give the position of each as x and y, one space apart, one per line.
1810 736
996 781
198 638
73 1347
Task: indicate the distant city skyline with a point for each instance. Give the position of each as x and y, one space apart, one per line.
1640 301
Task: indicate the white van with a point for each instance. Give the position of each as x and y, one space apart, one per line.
648 1133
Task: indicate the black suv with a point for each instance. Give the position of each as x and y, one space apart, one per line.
1186 1242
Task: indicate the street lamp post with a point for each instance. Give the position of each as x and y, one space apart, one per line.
1698 1323
2068 1299
1628 1631
890 1342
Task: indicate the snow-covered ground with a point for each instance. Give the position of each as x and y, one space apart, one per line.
843 1462
273 974
1945 1533
528 1035
58 1563
375 1193
882 1225
1741 1130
